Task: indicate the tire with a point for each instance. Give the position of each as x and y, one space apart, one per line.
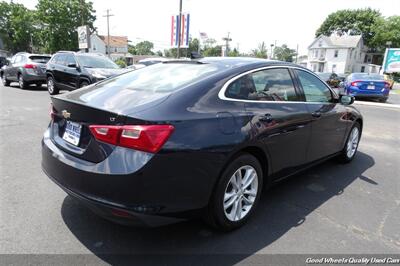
383 100
225 194
345 155
83 84
51 86
21 82
5 82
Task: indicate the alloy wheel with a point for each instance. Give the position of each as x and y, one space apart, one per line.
21 81
352 142
240 193
50 85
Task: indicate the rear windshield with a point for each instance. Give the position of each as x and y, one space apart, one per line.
165 77
96 62
366 76
39 59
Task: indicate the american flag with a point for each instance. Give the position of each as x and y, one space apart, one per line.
203 35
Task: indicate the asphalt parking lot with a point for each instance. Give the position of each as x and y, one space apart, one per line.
332 208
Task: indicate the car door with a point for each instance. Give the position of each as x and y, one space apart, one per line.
279 117
13 67
71 73
57 68
328 126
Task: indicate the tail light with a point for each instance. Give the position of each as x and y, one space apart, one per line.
387 85
149 138
355 83
30 66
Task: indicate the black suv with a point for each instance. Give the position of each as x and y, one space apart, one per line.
70 70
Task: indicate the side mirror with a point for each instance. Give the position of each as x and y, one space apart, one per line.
72 65
346 99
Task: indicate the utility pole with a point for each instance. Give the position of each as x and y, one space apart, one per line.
108 30
227 40
178 28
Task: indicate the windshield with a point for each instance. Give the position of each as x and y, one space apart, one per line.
366 76
39 59
96 62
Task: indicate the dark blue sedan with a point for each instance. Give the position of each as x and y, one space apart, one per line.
365 85
181 139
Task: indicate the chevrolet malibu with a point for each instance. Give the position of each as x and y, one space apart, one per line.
184 139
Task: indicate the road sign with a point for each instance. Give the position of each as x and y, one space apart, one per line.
180 30
391 62
83 37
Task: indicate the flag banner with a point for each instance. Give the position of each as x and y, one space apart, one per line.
180 30
203 36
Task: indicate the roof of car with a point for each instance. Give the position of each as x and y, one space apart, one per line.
234 62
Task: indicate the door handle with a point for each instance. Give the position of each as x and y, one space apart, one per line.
316 114
266 118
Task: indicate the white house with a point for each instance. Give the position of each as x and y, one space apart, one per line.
118 46
341 54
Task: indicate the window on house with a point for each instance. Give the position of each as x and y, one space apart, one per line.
320 44
336 53
333 68
362 69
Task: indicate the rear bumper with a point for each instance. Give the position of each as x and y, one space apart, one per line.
368 94
34 78
147 189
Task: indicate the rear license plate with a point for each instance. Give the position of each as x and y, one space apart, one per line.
72 133
371 87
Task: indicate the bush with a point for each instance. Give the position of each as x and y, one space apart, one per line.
121 62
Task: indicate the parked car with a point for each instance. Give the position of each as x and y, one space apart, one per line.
332 79
389 79
367 85
70 70
152 61
135 66
177 139
26 69
3 61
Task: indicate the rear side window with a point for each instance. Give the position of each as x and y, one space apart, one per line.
266 85
314 89
39 59
58 59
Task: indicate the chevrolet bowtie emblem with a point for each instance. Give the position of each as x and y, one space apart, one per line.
65 114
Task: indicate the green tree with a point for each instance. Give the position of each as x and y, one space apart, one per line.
261 51
284 53
213 51
59 20
386 30
132 49
234 53
17 27
352 22
144 48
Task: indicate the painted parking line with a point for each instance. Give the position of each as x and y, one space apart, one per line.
385 105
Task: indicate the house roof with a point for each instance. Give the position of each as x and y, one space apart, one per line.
115 41
348 41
